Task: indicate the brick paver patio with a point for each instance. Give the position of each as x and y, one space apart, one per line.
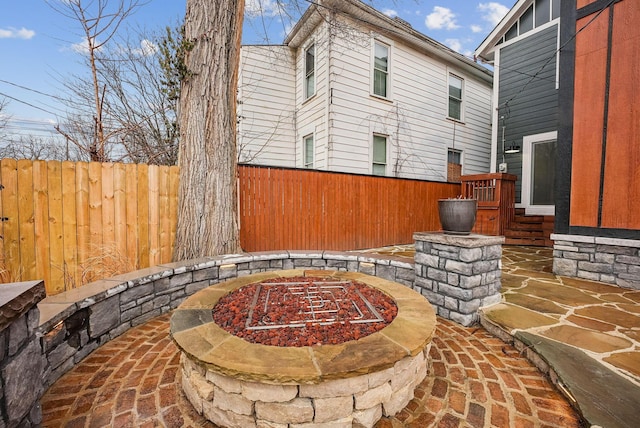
474 380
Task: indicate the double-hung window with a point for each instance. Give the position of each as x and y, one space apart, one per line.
309 71
456 85
381 70
307 150
379 165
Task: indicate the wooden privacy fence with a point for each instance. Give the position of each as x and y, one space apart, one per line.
300 209
73 222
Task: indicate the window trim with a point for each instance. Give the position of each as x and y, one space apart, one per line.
313 151
387 96
462 97
386 153
307 74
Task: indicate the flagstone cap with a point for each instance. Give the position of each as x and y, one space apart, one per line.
17 298
472 240
203 341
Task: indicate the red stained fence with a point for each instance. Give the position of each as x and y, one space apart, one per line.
298 209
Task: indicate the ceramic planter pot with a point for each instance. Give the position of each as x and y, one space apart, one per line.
457 216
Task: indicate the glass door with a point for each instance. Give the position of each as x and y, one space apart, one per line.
539 173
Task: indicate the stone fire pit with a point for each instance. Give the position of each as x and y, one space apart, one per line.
233 382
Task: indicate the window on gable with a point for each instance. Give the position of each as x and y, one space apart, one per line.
555 9
454 165
380 69
455 97
310 71
512 33
543 9
526 20
308 150
379 165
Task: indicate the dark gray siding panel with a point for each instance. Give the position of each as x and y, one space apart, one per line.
528 98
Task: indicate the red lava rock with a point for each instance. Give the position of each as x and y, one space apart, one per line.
304 311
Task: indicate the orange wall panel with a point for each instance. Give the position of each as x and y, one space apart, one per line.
621 198
582 3
590 80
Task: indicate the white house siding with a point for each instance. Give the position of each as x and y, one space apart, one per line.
343 115
266 108
414 119
311 112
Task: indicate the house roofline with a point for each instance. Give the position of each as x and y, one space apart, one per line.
486 48
397 29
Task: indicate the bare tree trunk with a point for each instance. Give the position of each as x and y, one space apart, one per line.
207 202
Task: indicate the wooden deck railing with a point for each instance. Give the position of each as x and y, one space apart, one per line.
496 200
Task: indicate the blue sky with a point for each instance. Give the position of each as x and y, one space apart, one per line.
37 44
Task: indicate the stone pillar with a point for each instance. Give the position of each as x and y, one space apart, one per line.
21 359
458 274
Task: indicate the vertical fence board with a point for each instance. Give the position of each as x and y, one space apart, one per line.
163 212
83 224
131 191
70 230
26 219
96 231
41 222
143 214
56 232
108 209
11 226
120 212
154 241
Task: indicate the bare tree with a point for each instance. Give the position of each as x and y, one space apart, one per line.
99 21
4 118
36 148
142 100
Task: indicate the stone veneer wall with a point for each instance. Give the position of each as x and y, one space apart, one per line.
21 363
74 323
355 401
458 274
609 260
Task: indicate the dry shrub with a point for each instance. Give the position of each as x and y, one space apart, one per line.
105 261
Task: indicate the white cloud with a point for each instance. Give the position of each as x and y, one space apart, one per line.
390 13
14 33
476 28
253 8
440 18
147 48
454 44
82 47
493 12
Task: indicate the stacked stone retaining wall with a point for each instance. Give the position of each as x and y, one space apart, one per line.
609 260
74 323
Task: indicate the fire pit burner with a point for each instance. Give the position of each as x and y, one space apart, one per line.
304 311
315 301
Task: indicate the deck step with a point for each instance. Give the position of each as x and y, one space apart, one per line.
539 219
524 233
533 241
